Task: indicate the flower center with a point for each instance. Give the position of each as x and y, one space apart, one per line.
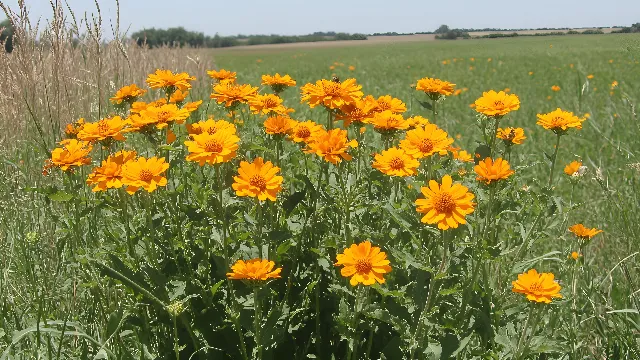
396 163
363 266
103 126
213 146
426 146
163 116
332 88
444 203
145 175
498 104
558 120
270 103
535 287
258 181
303 132
212 130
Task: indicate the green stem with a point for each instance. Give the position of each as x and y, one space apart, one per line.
433 110
492 140
329 119
553 160
176 345
257 321
523 342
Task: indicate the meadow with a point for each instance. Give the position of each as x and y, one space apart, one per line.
113 275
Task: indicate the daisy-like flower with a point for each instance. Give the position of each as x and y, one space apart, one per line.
460 155
555 88
135 122
138 106
490 170
511 136
559 121
417 121
276 125
387 121
331 94
168 81
396 162
538 287
574 255
358 112
303 131
584 233
331 145
497 104
108 128
258 179
127 94
144 173
255 271
71 130
425 141
387 102
232 94
590 76
446 205
178 96
266 104
210 127
573 168
278 83
215 148
72 153
364 264
109 174
161 116
192 106
435 87
222 75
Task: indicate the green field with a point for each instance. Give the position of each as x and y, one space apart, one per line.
100 275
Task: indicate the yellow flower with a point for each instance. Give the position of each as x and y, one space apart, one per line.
425 141
511 135
572 168
497 103
387 102
178 96
457 92
211 127
303 131
278 83
71 130
222 75
490 170
266 104
136 122
279 125
435 87
555 88
72 153
530 73
258 179
331 94
144 173
460 155
584 233
559 121
331 145
352 68
109 175
417 121
108 128
127 94
232 94
161 116
357 112
192 106
254 270
167 80
538 287
575 255
446 205
396 162
388 121
213 148
614 84
590 76
138 106
364 264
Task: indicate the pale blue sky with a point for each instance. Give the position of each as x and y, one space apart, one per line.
294 17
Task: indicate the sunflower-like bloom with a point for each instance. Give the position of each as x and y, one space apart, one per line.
135 122
108 128
364 264
331 94
232 94
178 96
144 173
254 270
210 127
559 121
497 104
574 255
446 205
215 148
168 81
127 94
435 87
387 102
331 145
460 155
161 116
278 83
265 104
425 141
538 287
396 162
109 175
417 121
72 153
192 106
572 168
222 75
387 121
258 179
279 125
490 170
138 106
511 135
555 88
584 233
71 130
303 131
358 112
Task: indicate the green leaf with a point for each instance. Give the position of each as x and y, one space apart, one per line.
425 104
292 201
215 287
480 153
60 196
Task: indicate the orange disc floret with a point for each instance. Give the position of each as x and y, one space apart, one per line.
396 162
559 121
167 80
210 127
572 168
584 233
489 170
254 270
303 131
144 173
258 179
364 264
497 104
265 104
425 141
127 94
279 125
215 148
232 94
538 287
388 121
222 75
109 174
511 135
108 128
162 115
72 153
331 145
435 87
387 102
331 94
445 204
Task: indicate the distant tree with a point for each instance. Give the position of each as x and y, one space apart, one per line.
6 35
443 29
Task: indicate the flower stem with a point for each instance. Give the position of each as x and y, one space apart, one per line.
553 160
260 218
433 110
257 321
523 342
176 345
329 119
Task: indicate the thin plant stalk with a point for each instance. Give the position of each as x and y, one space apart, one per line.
553 160
257 322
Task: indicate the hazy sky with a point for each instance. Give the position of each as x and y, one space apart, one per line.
292 17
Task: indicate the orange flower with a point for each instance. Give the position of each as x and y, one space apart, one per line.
387 121
538 287
222 75
572 168
211 127
417 121
331 145
136 122
178 96
584 233
497 104
258 179
590 76
169 81
363 263
279 125
425 141
460 155
387 102
446 205
138 106
71 130
161 116
435 87
278 83
72 153
254 270
331 94
559 121
511 135
267 104
396 162
575 255
144 173
108 128
555 88
232 94
213 148
127 94
304 131
490 170
109 175
192 106
357 112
